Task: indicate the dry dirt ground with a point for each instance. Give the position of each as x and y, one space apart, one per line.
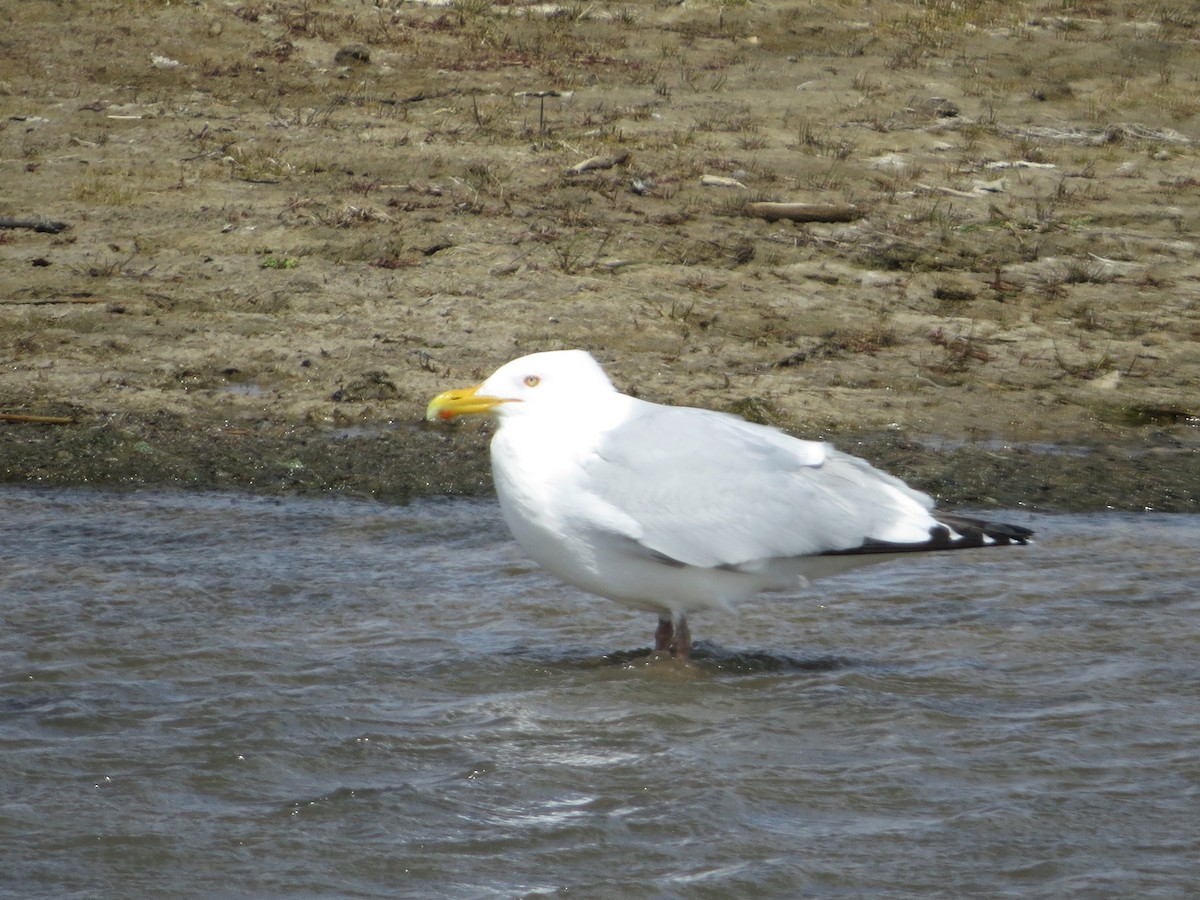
291 222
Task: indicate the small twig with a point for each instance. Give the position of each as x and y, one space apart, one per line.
948 191
36 420
598 162
395 101
46 226
48 301
721 181
803 212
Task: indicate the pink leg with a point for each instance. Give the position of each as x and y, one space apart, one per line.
681 643
663 634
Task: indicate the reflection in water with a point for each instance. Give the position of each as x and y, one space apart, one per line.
220 694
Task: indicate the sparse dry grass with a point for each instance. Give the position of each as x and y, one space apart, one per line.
429 185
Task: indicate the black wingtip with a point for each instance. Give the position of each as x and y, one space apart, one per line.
953 532
982 529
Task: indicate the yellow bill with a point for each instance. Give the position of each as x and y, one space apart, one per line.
460 402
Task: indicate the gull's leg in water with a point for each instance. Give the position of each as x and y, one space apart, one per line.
674 636
681 643
663 634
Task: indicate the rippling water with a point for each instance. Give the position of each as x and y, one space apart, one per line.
215 694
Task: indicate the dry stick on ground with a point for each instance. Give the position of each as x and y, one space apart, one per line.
395 101
47 301
803 212
598 162
47 226
721 181
36 420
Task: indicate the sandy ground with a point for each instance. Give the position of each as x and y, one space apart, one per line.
291 223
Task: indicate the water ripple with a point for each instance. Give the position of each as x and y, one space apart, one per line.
214 693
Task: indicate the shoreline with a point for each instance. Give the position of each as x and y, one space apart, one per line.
400 461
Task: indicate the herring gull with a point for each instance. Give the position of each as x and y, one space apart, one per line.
675 510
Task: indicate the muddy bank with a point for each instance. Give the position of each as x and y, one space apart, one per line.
279 227
398 461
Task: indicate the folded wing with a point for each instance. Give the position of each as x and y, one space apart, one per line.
711 490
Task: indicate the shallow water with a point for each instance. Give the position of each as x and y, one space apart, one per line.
224 695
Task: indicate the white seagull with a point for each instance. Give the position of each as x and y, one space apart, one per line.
674 510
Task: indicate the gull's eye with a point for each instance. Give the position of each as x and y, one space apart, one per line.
532 381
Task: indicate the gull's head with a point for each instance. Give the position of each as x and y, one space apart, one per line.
559 379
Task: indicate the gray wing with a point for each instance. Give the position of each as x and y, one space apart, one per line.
709 489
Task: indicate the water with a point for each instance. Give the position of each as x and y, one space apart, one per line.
219 695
